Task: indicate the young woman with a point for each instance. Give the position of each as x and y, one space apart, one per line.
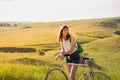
69 51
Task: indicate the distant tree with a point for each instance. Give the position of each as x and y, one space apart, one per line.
15 25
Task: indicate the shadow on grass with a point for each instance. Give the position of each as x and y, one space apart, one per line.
31 61
117 32
16 49
100 37
113 23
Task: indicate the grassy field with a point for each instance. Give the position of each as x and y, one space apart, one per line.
27 52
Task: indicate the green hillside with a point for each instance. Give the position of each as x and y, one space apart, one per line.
36 44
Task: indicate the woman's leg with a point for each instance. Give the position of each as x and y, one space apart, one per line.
68 69
73 71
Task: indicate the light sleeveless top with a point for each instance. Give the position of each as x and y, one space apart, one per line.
66 45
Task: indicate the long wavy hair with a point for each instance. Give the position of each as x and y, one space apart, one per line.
60 35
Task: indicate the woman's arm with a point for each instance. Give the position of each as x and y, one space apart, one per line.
61 52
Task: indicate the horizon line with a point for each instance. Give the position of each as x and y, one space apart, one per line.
57 20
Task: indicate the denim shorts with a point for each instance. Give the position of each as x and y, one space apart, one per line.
73 58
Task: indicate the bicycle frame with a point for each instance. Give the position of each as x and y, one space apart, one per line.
88 72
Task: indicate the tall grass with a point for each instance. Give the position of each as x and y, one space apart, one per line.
36 72
22 72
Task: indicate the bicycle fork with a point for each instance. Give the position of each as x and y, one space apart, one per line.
90 75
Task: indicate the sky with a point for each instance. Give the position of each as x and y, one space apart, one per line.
57 10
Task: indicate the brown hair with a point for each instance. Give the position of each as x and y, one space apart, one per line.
60 32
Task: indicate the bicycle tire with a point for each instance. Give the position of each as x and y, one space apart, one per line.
98 76
56 74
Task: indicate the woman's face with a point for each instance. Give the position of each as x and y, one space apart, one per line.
65 32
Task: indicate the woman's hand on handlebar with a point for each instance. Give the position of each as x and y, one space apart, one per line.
61 55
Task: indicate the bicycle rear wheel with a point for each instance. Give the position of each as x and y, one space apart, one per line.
56 74
97 76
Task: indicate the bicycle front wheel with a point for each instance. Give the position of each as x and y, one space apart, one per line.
97 76
56 74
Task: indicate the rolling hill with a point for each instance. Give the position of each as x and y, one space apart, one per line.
100 39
